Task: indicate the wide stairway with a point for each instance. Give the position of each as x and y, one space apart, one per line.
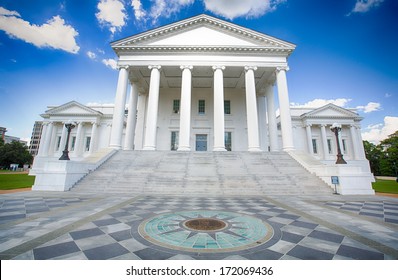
202 173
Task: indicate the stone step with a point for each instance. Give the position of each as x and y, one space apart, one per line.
204 173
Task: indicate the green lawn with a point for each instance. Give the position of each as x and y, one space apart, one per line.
15 181
385 186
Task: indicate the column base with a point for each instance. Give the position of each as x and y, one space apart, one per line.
219 149
254 149
116 147
285 149
183 149
149 149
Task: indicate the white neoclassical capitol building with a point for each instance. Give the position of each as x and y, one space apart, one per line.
201 85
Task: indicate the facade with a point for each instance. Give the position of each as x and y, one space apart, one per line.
35 138
203 84
8 139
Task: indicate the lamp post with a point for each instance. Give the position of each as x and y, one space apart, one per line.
336 128
65 153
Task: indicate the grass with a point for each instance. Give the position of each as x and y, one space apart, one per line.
385 186
23 180
15 181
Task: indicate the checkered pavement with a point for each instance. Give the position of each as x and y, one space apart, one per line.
114 235
381 210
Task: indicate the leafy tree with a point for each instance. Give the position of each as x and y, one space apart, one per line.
374 154
389 163
14 152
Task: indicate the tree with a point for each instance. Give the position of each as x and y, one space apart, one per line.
374 154
14 152
389 163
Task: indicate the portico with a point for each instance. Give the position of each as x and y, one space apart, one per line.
202 76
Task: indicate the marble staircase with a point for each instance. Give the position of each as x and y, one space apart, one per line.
202 173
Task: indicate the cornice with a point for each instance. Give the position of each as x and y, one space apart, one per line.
58 110
266 43
202 49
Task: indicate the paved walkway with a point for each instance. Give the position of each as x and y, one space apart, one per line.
73 225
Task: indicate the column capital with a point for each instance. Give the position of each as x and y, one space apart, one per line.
323 125
216 67
189 67
154 67
247 68
125 67
308 125
282 68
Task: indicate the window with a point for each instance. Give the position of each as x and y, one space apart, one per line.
174 140
228 141
88 141
314 146
227 107
201 107
344 146
73 143
176 106
329 146
58 142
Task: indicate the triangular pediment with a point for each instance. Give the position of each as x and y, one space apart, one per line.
202 31
331 111
72 108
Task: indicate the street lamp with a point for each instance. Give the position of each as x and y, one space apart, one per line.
65 153
336 128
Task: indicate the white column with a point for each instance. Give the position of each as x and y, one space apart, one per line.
219 125
262 122
251 110
43 148
324 142
185 109
354 142
118 112
309 139
140 126
47 141
284 108
341 141
362 154
131 118
94 133
79 140
272 126
152 113
63 138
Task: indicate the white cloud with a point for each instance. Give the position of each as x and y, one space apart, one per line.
112 14
53 34
91 55
5 12
139 12
237 8
370 107
380 132
316 103
363 6
163 8
111 63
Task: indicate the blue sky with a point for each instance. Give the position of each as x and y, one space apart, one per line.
52 52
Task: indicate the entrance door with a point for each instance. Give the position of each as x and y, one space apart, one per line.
201 142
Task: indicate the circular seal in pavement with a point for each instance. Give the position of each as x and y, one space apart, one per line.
206 231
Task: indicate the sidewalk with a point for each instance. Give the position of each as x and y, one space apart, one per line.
48 225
